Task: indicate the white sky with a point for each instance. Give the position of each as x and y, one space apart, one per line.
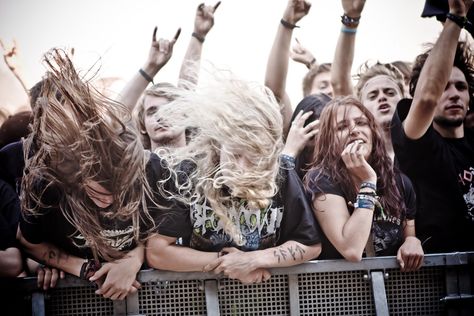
119 31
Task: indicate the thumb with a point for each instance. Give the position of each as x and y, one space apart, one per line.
400 259
101 272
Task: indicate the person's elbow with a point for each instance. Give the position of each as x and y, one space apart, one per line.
155 254
352 255
10 262
314 251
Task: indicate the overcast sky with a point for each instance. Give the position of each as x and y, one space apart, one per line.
119 32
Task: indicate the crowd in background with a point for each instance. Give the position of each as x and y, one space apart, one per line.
226 176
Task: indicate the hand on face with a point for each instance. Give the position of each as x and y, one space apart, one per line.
354 157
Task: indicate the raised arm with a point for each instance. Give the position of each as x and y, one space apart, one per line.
435 74
302 55
344 54
277 65
159 54
203 23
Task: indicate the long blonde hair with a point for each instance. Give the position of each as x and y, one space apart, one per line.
226 113
78 135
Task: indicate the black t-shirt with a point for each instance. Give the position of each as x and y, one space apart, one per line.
50 225
9 215
387 233
288 217
12 164
442 170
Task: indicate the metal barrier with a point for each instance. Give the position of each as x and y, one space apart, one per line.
374 286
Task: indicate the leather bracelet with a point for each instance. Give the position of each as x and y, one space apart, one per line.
287 24
198 37
461 21
146 76
88 269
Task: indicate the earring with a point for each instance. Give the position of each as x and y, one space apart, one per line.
143 132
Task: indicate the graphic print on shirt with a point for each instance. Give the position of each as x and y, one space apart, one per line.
465 181
118 239
257 227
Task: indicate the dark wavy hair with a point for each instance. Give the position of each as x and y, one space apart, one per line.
463 59
77 136
327 157
315 103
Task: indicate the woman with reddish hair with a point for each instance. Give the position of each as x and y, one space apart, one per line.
359 199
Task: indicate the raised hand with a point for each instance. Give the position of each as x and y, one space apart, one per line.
160 52
459 7
353 8
204 20
296 10
299 135
302 55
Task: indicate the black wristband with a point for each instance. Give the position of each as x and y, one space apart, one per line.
311 63
461 21
287 24
198 37
88 269
146 76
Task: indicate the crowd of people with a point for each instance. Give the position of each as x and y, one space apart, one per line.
226 177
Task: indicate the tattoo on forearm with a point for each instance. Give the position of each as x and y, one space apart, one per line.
54 255
281 254
292 252
300 251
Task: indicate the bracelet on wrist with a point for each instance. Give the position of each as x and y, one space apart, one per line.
348 30
198 37
350 21
287 162
146 76
461 21
367 184
287 24
311 63
88 269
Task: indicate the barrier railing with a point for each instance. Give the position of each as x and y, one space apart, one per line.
374 286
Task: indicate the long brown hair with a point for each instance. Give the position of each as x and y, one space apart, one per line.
79 135
327 157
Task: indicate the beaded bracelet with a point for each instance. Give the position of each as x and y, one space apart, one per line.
350 21
287 162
